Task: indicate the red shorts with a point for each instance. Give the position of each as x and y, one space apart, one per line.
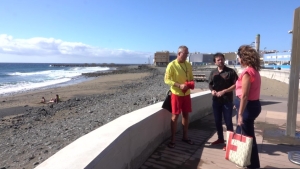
181 104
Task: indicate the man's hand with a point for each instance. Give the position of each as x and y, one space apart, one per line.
220 93
183 87
214 93
190 84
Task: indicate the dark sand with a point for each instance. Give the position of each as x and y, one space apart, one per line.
14 104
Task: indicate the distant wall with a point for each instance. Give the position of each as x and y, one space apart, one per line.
280 75
127 141
277 75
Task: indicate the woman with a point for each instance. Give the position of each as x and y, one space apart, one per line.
248 92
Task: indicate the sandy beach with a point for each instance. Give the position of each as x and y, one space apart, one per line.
271 87
31 131
96 86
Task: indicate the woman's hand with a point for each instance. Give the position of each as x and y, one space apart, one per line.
240 119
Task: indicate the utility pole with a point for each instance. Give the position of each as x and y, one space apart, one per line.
264 54
291 118
276 56
257 42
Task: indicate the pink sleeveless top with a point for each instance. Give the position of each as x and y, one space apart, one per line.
255 80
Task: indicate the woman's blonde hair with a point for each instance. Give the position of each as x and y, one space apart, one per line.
249 56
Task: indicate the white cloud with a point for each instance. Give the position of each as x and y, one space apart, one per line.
47 49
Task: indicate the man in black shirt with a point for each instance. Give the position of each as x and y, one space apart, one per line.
222 83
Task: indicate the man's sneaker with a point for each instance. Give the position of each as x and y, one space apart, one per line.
224 148
218 142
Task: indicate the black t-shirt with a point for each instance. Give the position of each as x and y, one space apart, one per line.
223 80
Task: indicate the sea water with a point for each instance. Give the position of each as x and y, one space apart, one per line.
20 77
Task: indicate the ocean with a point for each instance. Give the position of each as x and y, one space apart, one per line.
21 77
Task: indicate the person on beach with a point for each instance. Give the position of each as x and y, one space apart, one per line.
51 100
43 100
222 83
247 100
56 100
179 77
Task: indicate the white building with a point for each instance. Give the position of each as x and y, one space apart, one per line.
198 58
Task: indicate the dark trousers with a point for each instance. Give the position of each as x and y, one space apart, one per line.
224 109
252 110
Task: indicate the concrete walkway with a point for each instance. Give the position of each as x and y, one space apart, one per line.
272 143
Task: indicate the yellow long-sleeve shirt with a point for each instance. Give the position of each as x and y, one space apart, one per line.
178 73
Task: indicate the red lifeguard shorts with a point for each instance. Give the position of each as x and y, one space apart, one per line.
181 104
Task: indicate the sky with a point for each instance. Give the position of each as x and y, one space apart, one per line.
131 31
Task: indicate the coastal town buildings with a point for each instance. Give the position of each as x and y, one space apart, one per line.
162 58
269 59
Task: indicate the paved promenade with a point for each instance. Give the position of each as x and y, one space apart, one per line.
272 143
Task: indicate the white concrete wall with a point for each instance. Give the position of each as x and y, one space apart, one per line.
127 141
280 75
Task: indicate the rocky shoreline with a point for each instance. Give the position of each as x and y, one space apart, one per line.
39 132
120 70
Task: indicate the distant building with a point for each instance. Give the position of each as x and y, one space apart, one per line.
278 58
198 58
161 58
230 56
195 58
172 56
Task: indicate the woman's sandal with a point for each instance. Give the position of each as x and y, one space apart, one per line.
171 145
189 141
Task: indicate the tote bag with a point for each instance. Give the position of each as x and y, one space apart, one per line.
167 103
238 148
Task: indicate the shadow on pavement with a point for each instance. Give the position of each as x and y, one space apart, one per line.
183 156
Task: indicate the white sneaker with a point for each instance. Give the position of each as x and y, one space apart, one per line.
239 166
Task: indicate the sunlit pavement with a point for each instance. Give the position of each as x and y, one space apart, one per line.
270 134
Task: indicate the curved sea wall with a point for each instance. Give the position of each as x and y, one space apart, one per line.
127 141
283 76
280 75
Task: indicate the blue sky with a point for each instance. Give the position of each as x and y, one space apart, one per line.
131 31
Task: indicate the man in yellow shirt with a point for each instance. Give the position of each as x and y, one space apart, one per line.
179 77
